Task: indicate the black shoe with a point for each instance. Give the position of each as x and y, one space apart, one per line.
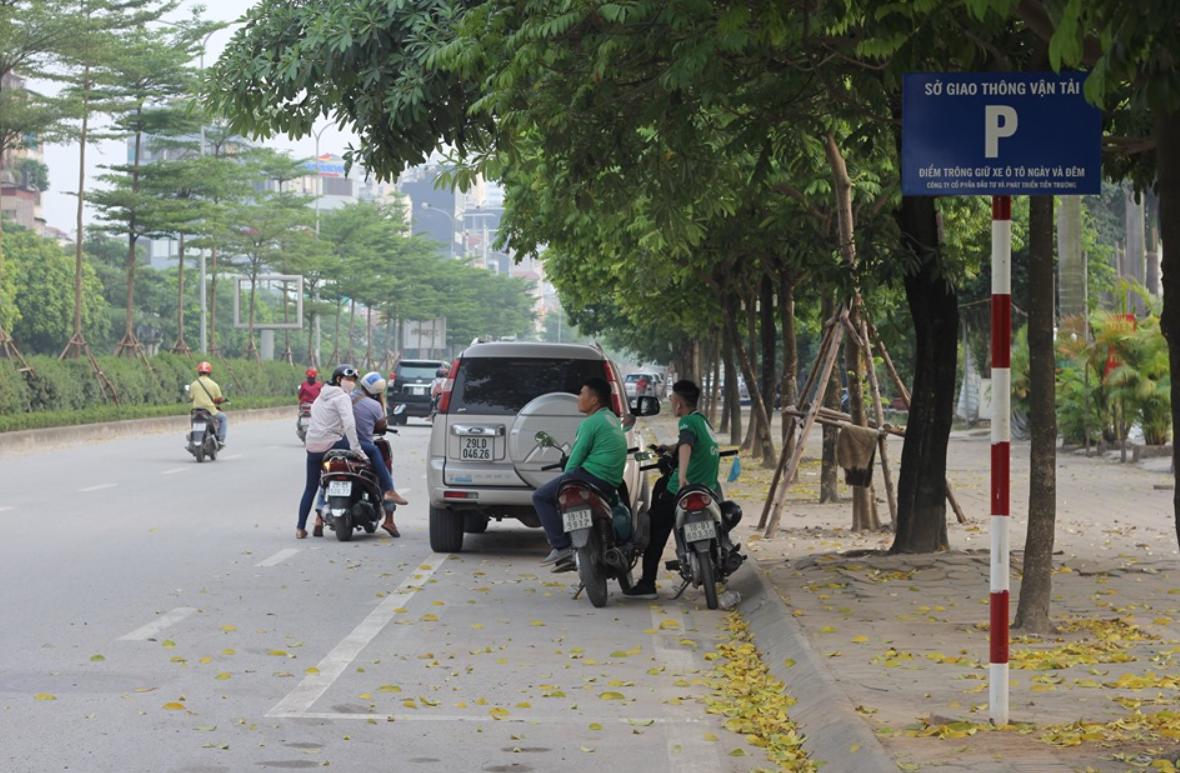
556 556
642 590
565 565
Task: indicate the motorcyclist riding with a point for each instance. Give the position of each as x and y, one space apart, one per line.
309 390
369 414
698 461
205 393
332 425
598 456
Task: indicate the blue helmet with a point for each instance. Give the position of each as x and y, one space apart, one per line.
373 383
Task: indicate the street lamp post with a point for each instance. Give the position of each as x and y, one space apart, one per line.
448 216
201 252
319 192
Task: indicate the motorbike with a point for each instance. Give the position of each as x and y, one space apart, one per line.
705 554
352 492
608 539
202 436
303 420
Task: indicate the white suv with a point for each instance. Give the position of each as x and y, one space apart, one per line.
484 460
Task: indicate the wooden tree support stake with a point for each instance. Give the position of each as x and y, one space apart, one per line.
9 349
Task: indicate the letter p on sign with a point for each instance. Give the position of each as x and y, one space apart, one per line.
999 121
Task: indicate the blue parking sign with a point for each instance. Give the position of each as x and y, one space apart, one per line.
999 134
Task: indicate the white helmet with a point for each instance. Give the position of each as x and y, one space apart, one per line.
373 384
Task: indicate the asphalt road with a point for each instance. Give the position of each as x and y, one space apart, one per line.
159 615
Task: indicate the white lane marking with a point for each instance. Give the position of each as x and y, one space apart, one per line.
174 470
160 623
547 719
688 751
99 487
5 509
279 557
232 456
314 685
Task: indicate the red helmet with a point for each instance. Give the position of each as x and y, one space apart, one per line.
204 368
311 373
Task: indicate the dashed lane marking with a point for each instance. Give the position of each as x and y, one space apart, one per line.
174 470
279 557
159 624
99 487
314 685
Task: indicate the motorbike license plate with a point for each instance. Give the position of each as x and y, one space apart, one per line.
478 449
339 488
198 427
699 530
572 520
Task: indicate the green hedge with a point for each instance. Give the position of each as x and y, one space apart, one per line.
70 388
98 414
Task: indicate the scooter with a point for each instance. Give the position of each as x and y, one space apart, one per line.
352 493
202 436
608 539
705 554
303 420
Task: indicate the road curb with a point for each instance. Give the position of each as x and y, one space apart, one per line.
822 711
32 440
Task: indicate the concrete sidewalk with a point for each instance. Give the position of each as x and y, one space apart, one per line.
903 639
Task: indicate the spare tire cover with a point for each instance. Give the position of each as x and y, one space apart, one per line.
556 413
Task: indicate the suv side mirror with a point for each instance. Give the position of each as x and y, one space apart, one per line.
645 405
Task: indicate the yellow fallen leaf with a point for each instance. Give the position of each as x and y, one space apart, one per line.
229 628
537 624
410 703
389 688
97 658
498 713
710 738
860 639
167 644
311 670
223 676
738 753
229 652
366 696
626 653
278 653
828 629
174 706
611 695
854 748
429 617
477 626
524 705
44 696
595 726
669 625
439 603
206 660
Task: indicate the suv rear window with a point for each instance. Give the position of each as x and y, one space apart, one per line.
417 371
501 386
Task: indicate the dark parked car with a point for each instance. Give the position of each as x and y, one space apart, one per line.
410 387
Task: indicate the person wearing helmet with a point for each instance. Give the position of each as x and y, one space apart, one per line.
309 390
369 412
331 425
436 387
205 393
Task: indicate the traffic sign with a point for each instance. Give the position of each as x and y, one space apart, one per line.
1003 133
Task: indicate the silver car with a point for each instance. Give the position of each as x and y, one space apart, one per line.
484 461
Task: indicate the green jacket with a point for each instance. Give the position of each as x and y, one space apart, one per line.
600 447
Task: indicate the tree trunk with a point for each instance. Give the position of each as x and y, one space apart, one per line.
349 354
80 235
212 301
130 343
769 369
1167 149
732 393
921 487
181 346
790 378
864 515
759 415
750 442
251 349
336 335
1153 243
1136 247
1032 614
369 338
1073 280
829 476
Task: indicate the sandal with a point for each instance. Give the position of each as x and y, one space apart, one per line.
396 498
318 530
301 534
392 530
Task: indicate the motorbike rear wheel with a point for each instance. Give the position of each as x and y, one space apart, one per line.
200 453
707 577
590 571
344 526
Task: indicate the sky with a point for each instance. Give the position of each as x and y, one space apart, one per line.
59 205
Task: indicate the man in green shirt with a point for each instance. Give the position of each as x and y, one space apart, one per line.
598 457
697 462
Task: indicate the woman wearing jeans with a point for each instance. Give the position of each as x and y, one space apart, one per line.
331 426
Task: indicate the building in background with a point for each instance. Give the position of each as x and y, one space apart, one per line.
23 176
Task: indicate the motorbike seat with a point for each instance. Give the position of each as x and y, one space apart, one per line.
609 497
698 487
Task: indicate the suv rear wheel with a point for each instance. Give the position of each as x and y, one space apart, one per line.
446 530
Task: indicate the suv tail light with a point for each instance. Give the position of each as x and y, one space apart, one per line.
444 397
695 501
612 378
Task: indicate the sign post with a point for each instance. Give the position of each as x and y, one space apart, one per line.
999 135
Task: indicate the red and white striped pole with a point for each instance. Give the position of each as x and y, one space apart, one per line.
1001 452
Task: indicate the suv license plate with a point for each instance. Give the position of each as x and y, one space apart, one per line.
699 530
339 488
572 520
477 449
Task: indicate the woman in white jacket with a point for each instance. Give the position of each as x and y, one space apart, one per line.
331 426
